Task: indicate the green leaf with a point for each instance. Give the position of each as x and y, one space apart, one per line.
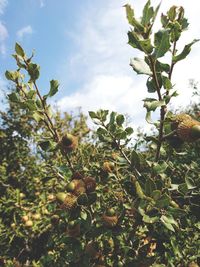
148 219
120 119
132 20
166 83
13 97
129 130
163 201
143 45
11 75
183 189
148 13
167 224
93 115
152 104
140 66
37 116
19 50
156 194
190 183
185 52
54 84
34 71
162 43
129 13
149 187
160 167
135 159
151 85
172 13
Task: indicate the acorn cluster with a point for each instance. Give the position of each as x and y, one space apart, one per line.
75 188
187 128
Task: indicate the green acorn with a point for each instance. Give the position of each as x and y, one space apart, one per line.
110 219
67 200
68 143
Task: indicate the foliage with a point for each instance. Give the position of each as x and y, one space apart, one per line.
98 200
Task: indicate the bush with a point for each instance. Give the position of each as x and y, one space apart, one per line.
94 199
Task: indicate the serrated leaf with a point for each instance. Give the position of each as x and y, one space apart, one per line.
132 20
185 52
162 43
140 66
19 50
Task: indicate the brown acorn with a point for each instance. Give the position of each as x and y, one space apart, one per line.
79 188
67 200
110 219
188 130
73 229
108 166
68 143
90 184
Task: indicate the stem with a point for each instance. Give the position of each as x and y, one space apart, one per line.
153 67
56 136
162 110
121 151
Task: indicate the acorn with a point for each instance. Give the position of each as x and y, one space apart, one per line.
71 186
36 216
25 218
108 166
73 229
79 187
110 219
189 130
29 223
90 184
67 200
68 143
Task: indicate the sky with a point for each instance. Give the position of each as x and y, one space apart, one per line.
83 44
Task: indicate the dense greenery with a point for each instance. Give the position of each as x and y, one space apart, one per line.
73 197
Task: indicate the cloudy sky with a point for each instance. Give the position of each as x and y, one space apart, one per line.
83 44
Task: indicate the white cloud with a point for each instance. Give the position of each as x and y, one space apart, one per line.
3 4
3 37
24 31
101 61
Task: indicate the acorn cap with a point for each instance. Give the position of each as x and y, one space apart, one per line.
188 130
90 184
110 221
68 200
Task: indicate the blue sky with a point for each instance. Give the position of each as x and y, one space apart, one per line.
83 44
